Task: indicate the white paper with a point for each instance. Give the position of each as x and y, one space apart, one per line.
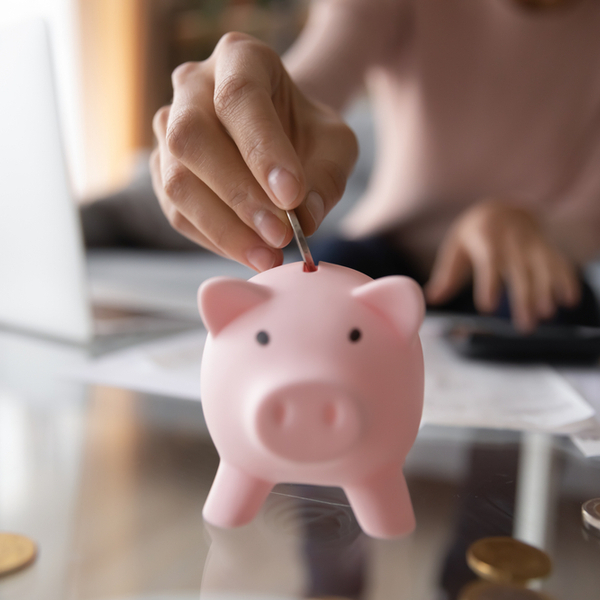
472 393
167 367
588 440
458 392
587 382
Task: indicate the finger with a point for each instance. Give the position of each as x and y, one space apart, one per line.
213 157
175 218
543 274
249 81
159 121
177 221
216 221
198 204
566 284
327 168
450 272
313 210
487 280
520 289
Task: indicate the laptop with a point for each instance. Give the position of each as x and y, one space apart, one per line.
42 262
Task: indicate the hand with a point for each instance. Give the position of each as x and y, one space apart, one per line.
238 146
498 244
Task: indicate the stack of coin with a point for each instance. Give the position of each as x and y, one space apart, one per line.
16 552
506 560
506 566
484 590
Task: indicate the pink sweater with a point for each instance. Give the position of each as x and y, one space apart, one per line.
472 99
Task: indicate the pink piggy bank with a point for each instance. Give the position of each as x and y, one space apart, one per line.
315 378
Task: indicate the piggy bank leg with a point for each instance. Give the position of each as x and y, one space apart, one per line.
235 497
382 504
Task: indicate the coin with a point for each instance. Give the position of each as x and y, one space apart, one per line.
506 560
590 513
16 552
301 241
484 590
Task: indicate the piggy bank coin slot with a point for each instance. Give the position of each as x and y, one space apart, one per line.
355 335
310 268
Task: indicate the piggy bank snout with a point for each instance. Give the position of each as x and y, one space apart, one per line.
308 422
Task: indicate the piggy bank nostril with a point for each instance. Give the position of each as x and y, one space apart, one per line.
330 414
279 413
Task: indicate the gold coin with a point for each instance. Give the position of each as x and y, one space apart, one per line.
484 590
16 552
506 560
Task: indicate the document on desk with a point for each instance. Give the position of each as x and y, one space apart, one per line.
587 382
458 391
471 393
169 366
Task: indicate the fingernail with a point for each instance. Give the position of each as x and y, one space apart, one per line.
284 185
272 230
261 258
316 207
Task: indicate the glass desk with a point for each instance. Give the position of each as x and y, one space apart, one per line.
111 484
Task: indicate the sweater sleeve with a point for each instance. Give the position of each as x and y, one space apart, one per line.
340 41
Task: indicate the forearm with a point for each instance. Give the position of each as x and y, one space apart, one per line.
340 41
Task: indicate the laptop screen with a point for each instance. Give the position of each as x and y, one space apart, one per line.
42 267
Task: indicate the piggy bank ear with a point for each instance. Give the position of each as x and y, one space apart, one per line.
397 299
223 299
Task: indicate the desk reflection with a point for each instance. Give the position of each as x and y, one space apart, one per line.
305 543
112 484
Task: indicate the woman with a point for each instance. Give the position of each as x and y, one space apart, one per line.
488 127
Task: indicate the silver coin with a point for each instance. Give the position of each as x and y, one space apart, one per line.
590 513
301 240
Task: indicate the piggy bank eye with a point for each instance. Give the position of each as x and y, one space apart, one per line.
262 337
355 335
